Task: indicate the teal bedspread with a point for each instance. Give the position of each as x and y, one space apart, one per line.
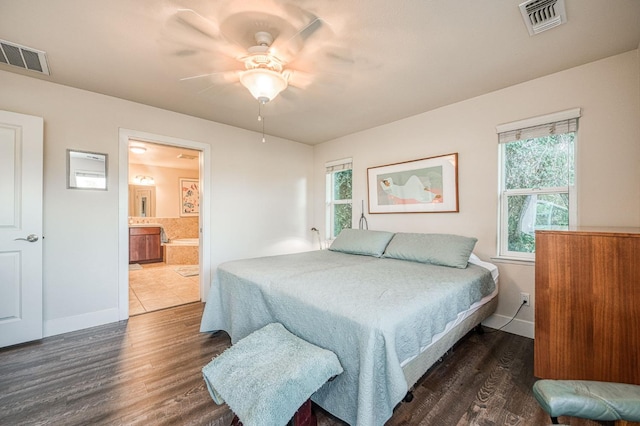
373 313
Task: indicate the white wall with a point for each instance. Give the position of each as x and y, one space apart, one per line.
608 160
259 193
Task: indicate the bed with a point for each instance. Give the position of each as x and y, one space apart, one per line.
388 304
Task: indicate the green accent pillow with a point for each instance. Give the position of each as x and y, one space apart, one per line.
361 241
437 249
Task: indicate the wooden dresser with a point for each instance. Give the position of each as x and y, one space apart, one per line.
587 311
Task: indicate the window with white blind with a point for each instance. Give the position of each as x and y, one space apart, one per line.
537 180
338 196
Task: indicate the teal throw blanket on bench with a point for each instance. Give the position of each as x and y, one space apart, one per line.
268 375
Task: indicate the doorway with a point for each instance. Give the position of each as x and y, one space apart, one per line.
163 243
164 207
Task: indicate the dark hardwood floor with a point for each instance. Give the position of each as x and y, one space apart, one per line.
147 371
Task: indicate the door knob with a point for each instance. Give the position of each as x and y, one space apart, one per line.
32 238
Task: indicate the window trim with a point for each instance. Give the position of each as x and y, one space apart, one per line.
331 168
502 252
503 244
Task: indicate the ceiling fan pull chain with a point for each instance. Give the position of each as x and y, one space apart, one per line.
261 119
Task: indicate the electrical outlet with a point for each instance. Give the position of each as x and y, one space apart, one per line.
524 299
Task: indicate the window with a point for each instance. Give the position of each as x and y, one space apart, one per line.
338 187
537 180
90 179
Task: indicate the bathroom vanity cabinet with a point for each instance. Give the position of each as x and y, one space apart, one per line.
145 245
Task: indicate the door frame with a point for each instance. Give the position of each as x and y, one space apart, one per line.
123 210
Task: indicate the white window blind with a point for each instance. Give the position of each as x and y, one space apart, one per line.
338 165
537 127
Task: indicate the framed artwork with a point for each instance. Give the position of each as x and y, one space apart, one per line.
428 185
189 197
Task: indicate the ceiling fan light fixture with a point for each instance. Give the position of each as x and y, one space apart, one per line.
263 83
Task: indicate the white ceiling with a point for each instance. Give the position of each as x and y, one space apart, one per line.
405 57
164 156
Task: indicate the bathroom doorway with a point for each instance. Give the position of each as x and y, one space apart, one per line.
163 266
164 207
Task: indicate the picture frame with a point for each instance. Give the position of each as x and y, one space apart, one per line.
426 185
189 197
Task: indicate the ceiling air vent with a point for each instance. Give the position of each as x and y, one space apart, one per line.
23 57
542 15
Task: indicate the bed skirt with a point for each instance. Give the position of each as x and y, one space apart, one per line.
418 366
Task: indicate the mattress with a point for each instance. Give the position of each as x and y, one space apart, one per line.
468 313
380 316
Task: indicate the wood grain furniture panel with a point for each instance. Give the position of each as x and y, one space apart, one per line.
587 312
145 245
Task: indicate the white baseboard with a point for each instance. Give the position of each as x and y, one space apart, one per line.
517 326
79 322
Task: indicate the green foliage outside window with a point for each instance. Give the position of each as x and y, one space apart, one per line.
538 164
342 218
342 185
545 162
342 190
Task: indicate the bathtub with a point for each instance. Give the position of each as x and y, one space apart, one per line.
185 242
182 251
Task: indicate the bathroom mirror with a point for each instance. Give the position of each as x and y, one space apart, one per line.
86 170
142 200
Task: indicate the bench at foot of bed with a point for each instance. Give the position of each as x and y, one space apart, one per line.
303 417
268 377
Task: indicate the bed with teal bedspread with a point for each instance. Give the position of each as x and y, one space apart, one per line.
372 312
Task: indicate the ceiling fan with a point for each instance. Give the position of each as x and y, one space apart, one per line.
266 49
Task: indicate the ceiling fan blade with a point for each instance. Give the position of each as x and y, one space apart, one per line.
299 79
212 90
308 30
210 84
187 33
198 22
222 77
287 48
330 67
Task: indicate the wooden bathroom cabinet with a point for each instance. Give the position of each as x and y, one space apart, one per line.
587 312
145 245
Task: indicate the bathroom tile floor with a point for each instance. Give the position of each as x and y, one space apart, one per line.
158 286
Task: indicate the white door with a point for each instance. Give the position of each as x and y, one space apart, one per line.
20 228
